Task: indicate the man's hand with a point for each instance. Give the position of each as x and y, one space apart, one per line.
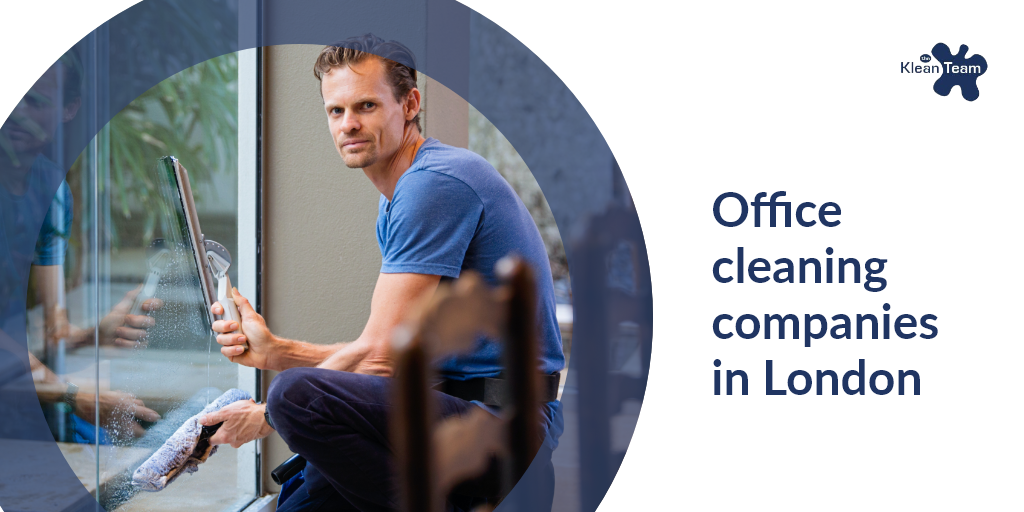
118 412
262 342
393 297
243 422
120 329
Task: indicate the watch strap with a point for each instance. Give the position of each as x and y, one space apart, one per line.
70 395
266 416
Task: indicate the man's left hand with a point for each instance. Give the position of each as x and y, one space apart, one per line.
243 422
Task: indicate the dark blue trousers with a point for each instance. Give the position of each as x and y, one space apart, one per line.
338 421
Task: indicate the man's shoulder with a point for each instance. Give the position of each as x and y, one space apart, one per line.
443 162
432 185
459 163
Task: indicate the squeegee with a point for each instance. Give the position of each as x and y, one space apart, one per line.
212 259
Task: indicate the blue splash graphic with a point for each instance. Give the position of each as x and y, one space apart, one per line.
958 70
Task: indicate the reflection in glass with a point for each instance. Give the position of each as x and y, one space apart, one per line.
175 370
126 344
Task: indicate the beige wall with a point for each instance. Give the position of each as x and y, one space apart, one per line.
320 255
447 119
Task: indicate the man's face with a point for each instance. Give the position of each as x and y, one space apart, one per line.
366 122
36 118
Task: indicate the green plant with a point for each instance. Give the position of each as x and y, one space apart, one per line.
192 115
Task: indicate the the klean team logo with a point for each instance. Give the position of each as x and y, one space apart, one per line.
956 70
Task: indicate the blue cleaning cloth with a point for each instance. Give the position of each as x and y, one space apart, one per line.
184 450
86 433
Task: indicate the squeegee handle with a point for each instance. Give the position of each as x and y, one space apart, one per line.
230 310
227 301
147 292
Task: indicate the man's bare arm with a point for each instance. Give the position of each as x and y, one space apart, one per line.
257 347
393 296
49 281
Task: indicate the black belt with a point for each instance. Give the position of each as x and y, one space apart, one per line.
494 391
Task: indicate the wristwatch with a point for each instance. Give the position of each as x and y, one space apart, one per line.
266 415
70 395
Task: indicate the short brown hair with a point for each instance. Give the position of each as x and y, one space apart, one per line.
399 63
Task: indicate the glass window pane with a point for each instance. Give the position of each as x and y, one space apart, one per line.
135 336
176 369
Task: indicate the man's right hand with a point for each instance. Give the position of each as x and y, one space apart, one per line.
261 342
243 421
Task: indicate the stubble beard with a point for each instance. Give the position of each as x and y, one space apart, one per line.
362 159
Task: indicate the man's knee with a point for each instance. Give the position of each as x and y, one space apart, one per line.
289 396
293 392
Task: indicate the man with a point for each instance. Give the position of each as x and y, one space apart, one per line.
442 210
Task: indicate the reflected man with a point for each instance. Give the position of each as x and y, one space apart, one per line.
36 208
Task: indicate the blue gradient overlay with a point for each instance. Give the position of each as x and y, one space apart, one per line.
474 58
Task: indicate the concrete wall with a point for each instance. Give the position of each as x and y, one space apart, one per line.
320 255
447 119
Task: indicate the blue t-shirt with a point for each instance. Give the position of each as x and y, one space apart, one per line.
34 230
452 211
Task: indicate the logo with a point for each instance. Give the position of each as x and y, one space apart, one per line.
956 70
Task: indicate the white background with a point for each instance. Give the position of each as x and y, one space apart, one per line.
700 99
